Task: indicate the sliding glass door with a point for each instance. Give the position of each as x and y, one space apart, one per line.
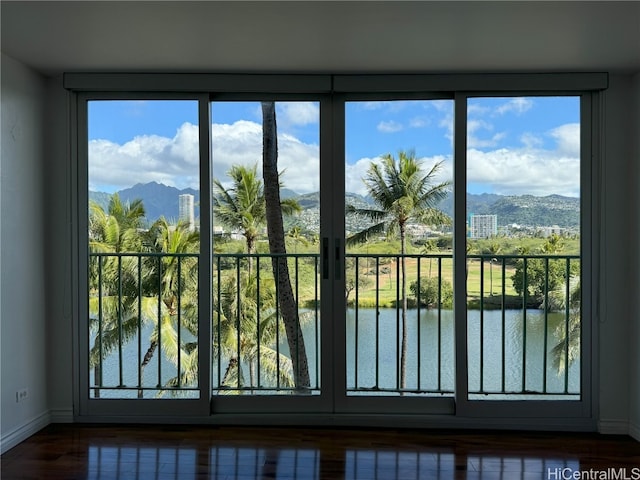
526 188
356 251
399 335
266 268
142 337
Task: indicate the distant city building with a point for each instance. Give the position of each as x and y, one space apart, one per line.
186 210
483 226
553 230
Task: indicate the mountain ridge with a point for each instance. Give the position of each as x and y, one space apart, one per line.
162 200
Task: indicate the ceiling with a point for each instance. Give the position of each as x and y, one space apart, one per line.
322 36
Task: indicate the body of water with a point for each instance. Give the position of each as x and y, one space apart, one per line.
372 360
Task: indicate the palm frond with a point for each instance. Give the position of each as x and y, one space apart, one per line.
365 235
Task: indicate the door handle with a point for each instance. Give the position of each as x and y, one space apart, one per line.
325 258
337 265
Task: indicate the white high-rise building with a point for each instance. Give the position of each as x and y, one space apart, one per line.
186 210
483 226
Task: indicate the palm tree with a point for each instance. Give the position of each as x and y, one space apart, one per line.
469 248
295 234
242 206
429 247
113 279
278 249
174 283
402 192
494 249
116 230
567 350
553 245
244 331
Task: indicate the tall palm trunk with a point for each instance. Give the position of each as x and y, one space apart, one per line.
250 250
490 278
403 351
277 248
145 361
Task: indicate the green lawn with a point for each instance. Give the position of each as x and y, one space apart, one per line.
385 283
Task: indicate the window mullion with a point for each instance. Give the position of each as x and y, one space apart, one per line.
460 250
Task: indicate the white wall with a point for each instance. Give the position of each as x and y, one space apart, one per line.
634 337
22 256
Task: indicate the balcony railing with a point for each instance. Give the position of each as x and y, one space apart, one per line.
250 349
143 324
526 345
523 325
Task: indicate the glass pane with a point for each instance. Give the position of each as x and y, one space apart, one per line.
399 292
143 249
266 318
523 248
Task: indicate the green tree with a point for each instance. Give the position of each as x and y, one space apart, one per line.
244 331
242 206
113 279
431 294
172 283
354 277
403 192
117 229
567 350
542 275
295 234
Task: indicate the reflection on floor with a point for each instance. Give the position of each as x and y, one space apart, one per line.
196 452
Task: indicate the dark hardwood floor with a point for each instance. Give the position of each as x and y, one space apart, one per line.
196 452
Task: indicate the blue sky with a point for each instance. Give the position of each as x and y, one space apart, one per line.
519 145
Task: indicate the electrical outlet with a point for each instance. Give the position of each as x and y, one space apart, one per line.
22 395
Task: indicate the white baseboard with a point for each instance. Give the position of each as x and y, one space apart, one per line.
613 427
634 430
21 433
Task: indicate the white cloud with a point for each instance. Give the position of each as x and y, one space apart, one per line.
531 140
389 127
175 161
445 106
524 171
446 122
473 141
172 161
419 122
354 174
375 105
476 109
389 106
517 105
567 138
241 144
298 113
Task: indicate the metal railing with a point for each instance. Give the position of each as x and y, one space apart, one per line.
523 325
535 340
378 315
251 353
143 328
